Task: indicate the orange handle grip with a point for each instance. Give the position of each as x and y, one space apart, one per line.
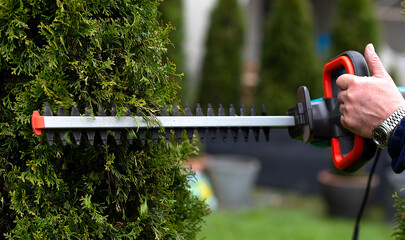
37 122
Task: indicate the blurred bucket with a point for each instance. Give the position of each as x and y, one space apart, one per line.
233 177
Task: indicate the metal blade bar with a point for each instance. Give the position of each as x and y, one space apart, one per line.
111 122
95 126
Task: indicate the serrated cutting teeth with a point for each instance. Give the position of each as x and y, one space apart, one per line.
50 134
173 121
62 133
234 131
190 131
91 133
201 131
77 134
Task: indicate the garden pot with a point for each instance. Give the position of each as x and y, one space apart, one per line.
233 177
344 194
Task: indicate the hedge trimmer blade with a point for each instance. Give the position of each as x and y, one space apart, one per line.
159 125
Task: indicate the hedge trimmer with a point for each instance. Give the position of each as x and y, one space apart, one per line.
316 122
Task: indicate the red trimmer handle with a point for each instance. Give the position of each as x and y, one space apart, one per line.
332 69
362 149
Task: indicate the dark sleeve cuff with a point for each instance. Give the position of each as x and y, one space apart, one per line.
396 148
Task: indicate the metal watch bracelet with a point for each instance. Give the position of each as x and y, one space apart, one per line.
393 120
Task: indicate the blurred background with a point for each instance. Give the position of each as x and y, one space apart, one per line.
259 52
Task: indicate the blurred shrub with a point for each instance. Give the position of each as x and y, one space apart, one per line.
172 13
221 72
355 26
288 56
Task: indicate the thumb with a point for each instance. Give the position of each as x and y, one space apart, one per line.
374 63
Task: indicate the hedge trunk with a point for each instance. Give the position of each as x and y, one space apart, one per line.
88 53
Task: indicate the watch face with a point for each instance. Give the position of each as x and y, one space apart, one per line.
380 136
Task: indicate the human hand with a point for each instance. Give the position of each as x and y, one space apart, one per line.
367 101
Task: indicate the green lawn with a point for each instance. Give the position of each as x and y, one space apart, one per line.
299 219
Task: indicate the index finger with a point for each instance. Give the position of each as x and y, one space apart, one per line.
343 81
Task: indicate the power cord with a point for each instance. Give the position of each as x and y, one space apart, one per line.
365 197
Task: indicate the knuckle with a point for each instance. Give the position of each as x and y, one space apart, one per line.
343 121
340 97
349 97
356 81
342 108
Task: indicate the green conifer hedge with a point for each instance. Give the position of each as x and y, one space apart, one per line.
288 59
172 13
355 26
95 53
222 66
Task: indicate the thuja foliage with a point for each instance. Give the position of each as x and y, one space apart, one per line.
221 73
399 228
88 53
288 59
355 26
172 13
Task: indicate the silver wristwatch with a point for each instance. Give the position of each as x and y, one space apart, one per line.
382 133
